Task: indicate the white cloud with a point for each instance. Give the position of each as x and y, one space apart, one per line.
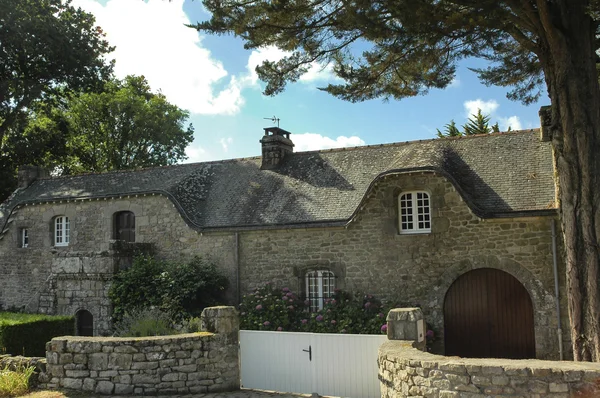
196 153
151 40
454 83
312 142
487 107
225 142
513 122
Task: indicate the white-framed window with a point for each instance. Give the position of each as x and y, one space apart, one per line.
320 285
415 212
24 237
62 230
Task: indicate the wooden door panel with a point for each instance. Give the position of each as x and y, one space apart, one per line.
488 313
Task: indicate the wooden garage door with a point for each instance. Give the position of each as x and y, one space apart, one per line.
488 314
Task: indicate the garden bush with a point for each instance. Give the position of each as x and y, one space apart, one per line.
270 308
143 323
181 290
27 334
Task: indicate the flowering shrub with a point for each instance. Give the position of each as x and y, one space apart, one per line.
269 308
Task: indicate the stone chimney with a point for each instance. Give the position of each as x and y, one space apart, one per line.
545 123
276 145
27 174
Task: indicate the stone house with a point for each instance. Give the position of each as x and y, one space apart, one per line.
463 227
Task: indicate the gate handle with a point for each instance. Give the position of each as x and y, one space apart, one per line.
309 352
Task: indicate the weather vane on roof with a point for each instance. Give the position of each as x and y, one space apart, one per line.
274 119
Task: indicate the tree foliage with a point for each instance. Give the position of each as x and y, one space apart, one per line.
46 48
403 48
182 290
124 126
477 124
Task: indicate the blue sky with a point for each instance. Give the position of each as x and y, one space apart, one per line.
213 78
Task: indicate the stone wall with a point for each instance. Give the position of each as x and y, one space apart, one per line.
18 362
369 255
181 364
414 270
64 280
408 372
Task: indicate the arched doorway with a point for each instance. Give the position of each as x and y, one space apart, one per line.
85 323
488 314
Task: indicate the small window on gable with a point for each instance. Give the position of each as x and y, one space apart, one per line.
320 285
62 231
24 237
415 212
124 226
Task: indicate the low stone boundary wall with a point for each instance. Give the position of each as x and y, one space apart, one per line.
407 371
16 362
179 364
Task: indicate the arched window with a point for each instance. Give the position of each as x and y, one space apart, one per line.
124 226
415 212
62 231
85 323
320 285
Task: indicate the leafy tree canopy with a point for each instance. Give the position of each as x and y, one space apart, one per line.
46 46
125 126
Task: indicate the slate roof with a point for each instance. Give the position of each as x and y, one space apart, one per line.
498 175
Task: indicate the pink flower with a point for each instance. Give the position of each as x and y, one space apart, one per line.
266 323
333 301
367 304
306 302
285 289
289 294
290 307
304 321
380 315
429 334
319 318
284 298
258 307
333 322
279 329
384 328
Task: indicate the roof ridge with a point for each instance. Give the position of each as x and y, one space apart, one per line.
222 161
400 143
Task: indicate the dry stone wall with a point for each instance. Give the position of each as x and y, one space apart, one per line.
407 372
182 364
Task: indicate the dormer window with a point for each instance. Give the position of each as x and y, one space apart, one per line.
415 212
62 231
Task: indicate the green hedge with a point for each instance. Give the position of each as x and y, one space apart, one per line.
27 334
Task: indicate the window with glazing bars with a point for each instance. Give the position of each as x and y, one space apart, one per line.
415 212
62 231
319 286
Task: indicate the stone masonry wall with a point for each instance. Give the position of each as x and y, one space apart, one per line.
181 364
369 255
415 270
407 372
63 280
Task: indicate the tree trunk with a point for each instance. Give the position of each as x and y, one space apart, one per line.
571 77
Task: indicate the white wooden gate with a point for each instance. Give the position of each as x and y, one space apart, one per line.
340 365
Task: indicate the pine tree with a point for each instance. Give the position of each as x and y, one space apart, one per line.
478 124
